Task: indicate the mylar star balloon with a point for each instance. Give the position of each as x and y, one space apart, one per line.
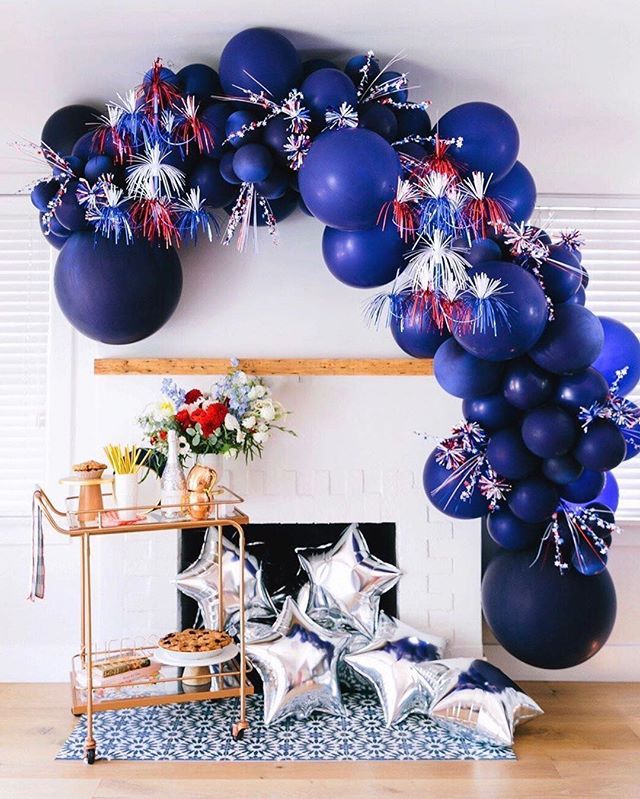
298 663
475 698
346 581
387 663
200 582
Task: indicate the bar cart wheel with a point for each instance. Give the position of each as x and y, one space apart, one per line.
91 756
237 730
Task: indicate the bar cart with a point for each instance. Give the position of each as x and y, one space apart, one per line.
227 680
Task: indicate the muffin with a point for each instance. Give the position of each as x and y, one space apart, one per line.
89 470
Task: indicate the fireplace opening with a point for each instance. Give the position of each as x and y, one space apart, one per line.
274 545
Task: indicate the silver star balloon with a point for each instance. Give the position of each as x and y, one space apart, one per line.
387 663
475 698
201 582
346 581
298 663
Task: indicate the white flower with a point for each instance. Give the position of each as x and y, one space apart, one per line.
230 422
268 412
183 444
240 436
257 392
260 438
249 422
162 411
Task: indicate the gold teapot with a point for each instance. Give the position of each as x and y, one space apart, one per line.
201 482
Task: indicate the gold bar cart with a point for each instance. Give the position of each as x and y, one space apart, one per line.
231 678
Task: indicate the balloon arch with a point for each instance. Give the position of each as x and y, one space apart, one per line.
436 213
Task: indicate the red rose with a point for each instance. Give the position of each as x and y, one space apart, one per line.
163 435
183 419
192 396
215 414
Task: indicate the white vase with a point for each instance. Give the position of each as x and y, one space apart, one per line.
126 495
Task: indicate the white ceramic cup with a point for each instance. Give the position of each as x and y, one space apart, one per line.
126 495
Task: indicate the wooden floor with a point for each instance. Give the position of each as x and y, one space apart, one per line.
587 745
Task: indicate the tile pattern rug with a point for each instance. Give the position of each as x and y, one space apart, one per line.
202 731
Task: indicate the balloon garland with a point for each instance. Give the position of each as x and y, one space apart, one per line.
440 212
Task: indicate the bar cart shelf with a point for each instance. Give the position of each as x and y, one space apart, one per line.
170 684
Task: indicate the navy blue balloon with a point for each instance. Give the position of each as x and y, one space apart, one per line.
66 125
610 494
549 431
587 560
446 498
561 273
380 119
413 122
75 164
512 533
533 499
571 342
490 137
347 177
97 166
398 95
43 192
113 293
415 151
214 189
581 389
69 212
327 89
356 63
516 191
621 348
483 250
585 273
492 412
314 64
167 75
226 169
236 121
276 133
526 316
543 618
631 435
602 447
585 488
56 239
215 117
84 148
252 163
257 58
58 229
462 374
562 469
200 81
415 333
579 298
275 186
282 207
526 385
363 258
509 456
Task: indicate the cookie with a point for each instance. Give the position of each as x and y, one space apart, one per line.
191 640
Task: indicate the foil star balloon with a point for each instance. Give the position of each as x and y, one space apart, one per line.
298 663
201 582
346 581
477 699
387 663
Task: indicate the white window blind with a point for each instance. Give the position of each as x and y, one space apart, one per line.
611 229
24 327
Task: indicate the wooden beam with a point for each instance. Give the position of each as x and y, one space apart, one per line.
351 367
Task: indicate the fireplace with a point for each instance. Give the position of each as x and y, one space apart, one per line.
274 546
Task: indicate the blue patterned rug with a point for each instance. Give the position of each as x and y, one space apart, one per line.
201 731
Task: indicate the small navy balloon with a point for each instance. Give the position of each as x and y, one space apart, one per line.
602 447
549 431
571 341
364 258
533 499
585 488
509 456
527 385
325 90
512 533
581 389
516 191
414 331
492 412
444 491
462 374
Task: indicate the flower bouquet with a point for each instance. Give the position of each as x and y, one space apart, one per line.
236 417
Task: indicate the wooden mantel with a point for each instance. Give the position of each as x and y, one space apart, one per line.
351 367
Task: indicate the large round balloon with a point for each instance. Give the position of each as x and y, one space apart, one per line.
516 191
526 316
66 125
587 487
526 385
492 412
113 293
327 89
581 389
444 491
602 447
621 348
610 494
415 333
200 81
561 273
490 137
509 456
543 618
462 374
549 431
533 499
571 341
347 177
257 59
512 533
214 189
364 258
